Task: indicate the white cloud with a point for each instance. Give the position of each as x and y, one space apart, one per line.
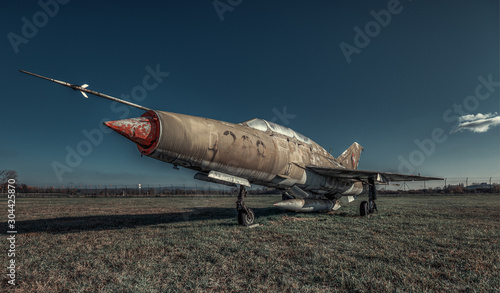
477 123
471 117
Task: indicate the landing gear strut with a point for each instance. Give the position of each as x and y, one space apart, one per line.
368 207
246 216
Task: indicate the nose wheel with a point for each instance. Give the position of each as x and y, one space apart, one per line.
369 207
246 216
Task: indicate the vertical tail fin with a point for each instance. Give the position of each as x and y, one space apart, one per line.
350 157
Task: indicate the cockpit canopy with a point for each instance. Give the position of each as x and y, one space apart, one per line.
263 125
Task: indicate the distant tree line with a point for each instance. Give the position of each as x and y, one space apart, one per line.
5 175
449 189
183 190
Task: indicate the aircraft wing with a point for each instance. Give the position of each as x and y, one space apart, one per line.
365 175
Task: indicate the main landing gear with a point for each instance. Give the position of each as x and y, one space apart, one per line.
368 207
246 216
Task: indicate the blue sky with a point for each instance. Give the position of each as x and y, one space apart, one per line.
404 83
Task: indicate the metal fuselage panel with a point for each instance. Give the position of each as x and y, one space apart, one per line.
264 158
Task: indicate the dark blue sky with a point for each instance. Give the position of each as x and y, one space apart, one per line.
408 80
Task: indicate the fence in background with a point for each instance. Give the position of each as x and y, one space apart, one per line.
134 190
465 185
454 185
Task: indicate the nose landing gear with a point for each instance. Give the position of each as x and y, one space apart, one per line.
369 207
246 216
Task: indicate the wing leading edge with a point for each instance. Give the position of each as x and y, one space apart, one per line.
365 175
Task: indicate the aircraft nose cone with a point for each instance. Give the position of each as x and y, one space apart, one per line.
142 130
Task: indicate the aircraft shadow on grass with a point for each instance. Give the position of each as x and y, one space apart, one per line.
64 225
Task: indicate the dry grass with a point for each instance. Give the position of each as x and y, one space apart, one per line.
413 244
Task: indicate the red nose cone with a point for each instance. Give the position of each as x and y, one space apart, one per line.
143 130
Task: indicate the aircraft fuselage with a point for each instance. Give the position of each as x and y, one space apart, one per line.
262 156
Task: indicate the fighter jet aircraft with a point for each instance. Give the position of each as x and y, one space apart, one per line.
252 152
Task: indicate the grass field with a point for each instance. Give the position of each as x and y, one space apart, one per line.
413 244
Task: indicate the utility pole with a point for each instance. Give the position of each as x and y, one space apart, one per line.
467 184
445 187
490 185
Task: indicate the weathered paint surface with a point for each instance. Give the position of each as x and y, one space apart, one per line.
143 131
262 152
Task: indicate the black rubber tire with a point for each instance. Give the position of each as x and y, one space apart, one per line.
363 208
245 219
